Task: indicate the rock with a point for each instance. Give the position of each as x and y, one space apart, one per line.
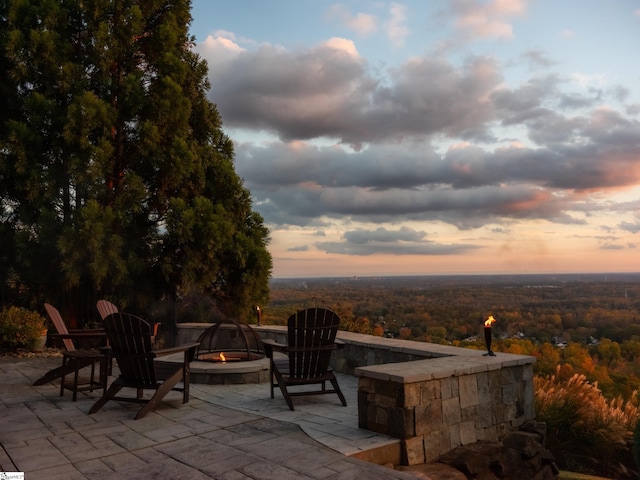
532 426
434 471
526 444
519 455
481 460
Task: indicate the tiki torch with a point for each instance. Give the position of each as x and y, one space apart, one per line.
258 315
487 335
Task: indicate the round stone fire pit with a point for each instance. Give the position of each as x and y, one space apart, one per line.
229 341
230 352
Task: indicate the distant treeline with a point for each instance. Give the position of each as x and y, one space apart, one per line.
595 317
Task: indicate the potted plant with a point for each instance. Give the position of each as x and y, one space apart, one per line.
22 328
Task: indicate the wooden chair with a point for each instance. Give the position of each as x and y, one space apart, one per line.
311 340
75 359
131 346
106 308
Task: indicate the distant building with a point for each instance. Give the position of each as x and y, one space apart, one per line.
559 342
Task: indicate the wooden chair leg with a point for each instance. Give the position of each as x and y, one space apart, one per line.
336 387
66 368
286 396
283 388
186 380
52 375
93 376
271 376
76 375
109 394
105 370
159 394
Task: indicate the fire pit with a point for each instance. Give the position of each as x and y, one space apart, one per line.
227 356
229 341
230 352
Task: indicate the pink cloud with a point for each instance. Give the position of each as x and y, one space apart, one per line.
364 24
488 20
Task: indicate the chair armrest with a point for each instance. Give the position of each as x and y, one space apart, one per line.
271 345
96 331
86 338
79 334
177 349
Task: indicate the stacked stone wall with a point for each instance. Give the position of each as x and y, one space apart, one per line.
434 416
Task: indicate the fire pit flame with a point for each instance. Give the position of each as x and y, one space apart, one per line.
222 357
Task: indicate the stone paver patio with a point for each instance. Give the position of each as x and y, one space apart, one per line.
225 432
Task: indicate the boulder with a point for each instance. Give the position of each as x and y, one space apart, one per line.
519 455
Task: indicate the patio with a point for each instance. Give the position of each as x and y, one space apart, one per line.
224 432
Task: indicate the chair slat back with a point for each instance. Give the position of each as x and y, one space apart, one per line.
311 337
61 327
130 341
106 308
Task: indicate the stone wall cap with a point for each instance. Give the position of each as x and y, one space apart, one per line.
443 367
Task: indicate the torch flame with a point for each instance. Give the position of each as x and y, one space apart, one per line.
222 357
489 321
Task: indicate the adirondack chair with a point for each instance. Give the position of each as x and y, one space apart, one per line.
311 340
76 359
130 340
106 308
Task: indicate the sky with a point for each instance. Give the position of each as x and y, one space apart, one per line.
433 137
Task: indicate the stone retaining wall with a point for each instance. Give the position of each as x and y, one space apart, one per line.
437 405
433 397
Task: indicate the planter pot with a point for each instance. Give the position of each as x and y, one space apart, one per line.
39 343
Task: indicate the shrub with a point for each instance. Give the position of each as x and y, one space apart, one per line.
20 328
586 432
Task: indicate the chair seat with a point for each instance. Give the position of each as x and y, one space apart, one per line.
283 367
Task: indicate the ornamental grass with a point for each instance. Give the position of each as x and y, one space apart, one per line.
587 432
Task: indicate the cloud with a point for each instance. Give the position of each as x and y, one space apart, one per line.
362 23
630 227
301 248
611 246
538 59
295 94
222 43
328 91
382 235
427 140
396 27
487 19
404 241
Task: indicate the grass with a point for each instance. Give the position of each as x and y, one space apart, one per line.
586 432
579 476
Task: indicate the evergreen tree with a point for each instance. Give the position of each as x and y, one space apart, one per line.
116 177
